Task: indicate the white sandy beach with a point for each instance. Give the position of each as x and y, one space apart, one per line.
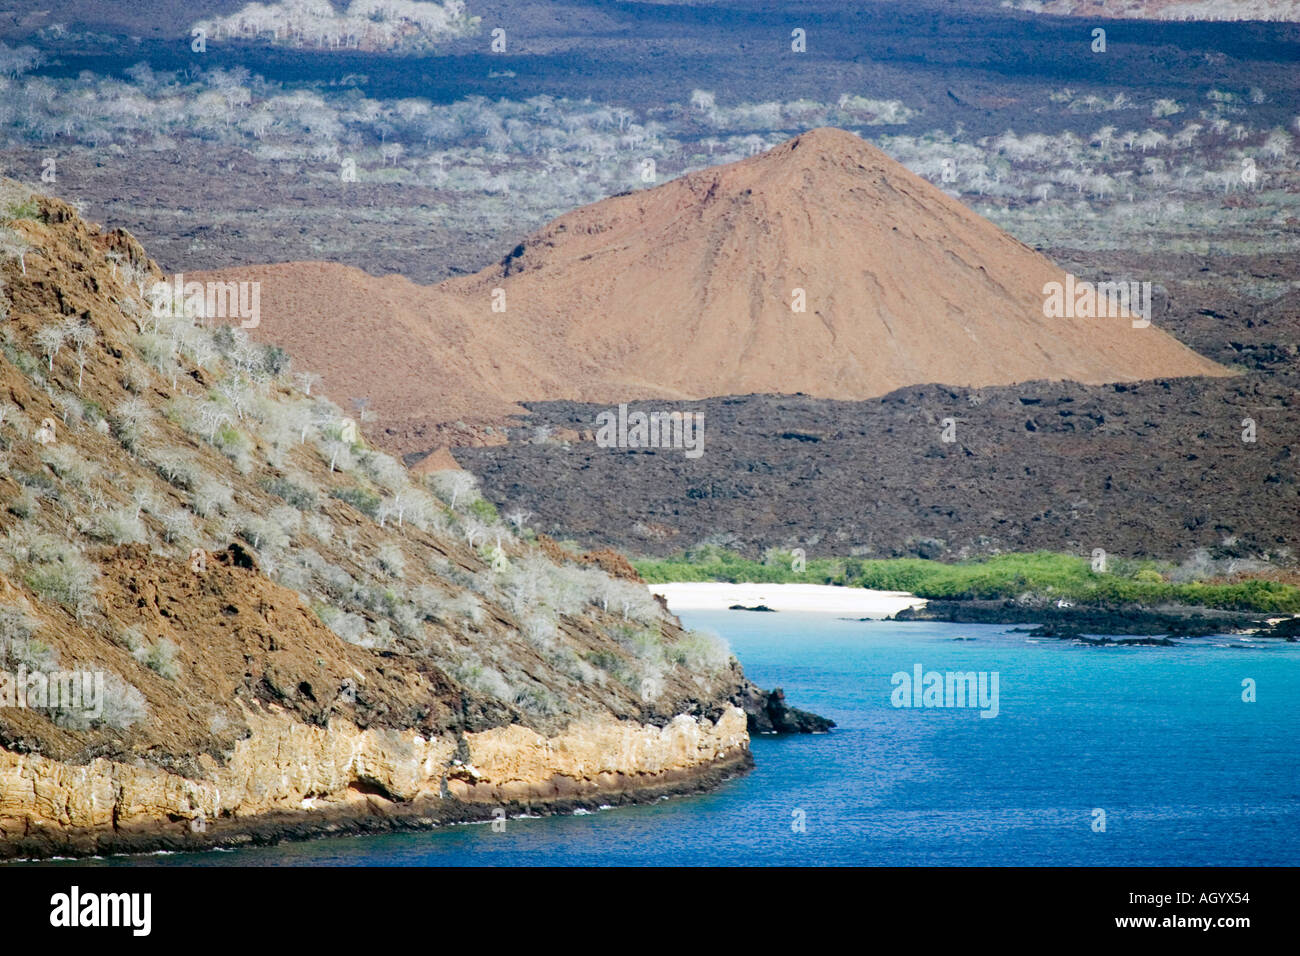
815 598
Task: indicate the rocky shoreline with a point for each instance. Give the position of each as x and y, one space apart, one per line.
375 815
1051 620
290 782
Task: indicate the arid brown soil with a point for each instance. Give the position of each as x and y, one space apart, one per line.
243 640
819 267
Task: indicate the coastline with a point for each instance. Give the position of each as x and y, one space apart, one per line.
800 598
1169 620
370 816
289 781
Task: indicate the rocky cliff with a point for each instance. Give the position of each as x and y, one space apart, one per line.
291 634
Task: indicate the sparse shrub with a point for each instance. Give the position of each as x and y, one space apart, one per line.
19 202
134 378
379 599
132 640
350 627
210 497
157 350
421 510
12 350
295 577
642 643
49 339
429 602
66 462
607 662
71 409
485 510
384 470
391 559
287 518
486 680
160 658
407 620
466 607
454 487
295 494
11 415
632 601
1197 567
18 645
364 501
25 505
540 632
178 470
275 361
60 575
319 527
701 652
261 533
568 588
235 445
339 454
539 702
131 422
380 637
124 706
120 526
579 669
177 525
39 483
474 531
334 582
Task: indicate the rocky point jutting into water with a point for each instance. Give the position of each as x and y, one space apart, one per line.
292 634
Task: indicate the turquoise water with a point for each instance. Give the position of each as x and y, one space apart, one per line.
1158 738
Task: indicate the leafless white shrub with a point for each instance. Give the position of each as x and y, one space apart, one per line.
391 560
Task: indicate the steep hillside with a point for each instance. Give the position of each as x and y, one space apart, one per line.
293 634
821 266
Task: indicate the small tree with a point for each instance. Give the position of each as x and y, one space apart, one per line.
50 339
14 246
454 484
211 417
83 337
474 531
306 380
337 449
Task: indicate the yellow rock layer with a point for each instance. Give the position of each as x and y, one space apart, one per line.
287 768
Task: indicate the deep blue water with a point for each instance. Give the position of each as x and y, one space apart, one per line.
1159 738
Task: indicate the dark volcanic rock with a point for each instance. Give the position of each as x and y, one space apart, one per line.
1054 621
1125 642
1138 469
1289 629
768 713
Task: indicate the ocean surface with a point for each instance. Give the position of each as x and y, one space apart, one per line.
1158 739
